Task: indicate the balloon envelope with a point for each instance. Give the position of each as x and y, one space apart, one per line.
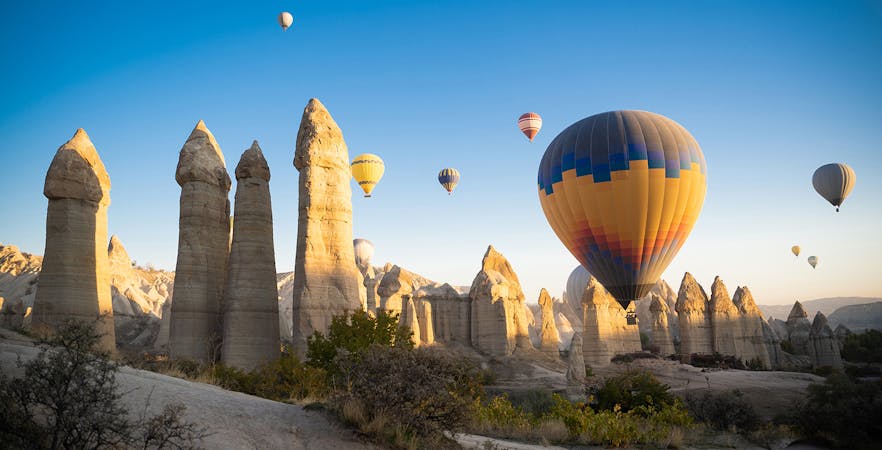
576 284
813 261
834 182
364 250
285 20
448 178
795 249
622 190
367 169
530 123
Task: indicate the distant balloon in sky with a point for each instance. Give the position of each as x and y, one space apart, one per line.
448 178
834 182
795 249
576 284
530 124
367 169
813 261
622 190
364 250
285 20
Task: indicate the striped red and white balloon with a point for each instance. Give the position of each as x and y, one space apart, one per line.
530 123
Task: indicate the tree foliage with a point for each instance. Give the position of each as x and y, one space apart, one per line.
353 334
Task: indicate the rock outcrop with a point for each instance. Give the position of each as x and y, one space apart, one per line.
752 345
75 278
576 362
773 346
606 332
450 313
725 320
325 275
498 319
550 340
195 329
696 332
799 330
410 320
251 306
662 341
824 350
842 333
395 289
19 273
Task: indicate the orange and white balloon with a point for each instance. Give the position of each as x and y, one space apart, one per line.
530 124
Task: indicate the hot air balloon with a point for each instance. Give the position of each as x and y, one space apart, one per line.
813 261
285 20
448 178
364 250
622 190
367 169
530 124
834 182
795 249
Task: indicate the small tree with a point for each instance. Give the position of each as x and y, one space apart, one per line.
353 334
69 398
630 390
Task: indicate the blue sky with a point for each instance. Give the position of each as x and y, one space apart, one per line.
770 91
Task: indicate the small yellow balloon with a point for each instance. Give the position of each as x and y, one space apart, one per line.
367 169
795 249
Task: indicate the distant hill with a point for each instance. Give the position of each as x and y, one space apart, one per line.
825 305
858 317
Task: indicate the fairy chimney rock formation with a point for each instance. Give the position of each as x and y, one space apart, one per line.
661 332
251 309
799 330
576 362
395 289
409 319
75 277
753 345
498 318
325 274
203 248
696 333
824 348
724 318
550 340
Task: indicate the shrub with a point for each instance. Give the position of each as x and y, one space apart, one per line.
723 411
844 411
787 346
630 390
69 398
716 361
863 347
535 402
283 379
353 334
424 391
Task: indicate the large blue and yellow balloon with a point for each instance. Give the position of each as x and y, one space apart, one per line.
448 178
622 190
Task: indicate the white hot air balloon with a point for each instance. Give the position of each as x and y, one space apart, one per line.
364 250
576 284
285 20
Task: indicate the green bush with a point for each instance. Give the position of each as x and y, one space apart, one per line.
863 347
723 411
423 390
353 334
843 411
283 379
536 402
716 361
629 391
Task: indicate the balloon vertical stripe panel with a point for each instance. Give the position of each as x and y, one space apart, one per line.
622 190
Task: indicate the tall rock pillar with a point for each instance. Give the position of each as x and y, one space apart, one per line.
696 332
251 304
550 339
75 278
662 338
325 274
203 247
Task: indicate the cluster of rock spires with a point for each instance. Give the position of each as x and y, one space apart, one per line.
228 296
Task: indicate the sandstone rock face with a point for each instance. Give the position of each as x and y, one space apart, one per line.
450 313
409 319
842 333
325 275
75 280
576 363
19 273
370 285
799 330
498 319
395 289
824 349
195 328
606 332
696 333
753 345
661 333
773 346
425 319
725 320
251 306
549 337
